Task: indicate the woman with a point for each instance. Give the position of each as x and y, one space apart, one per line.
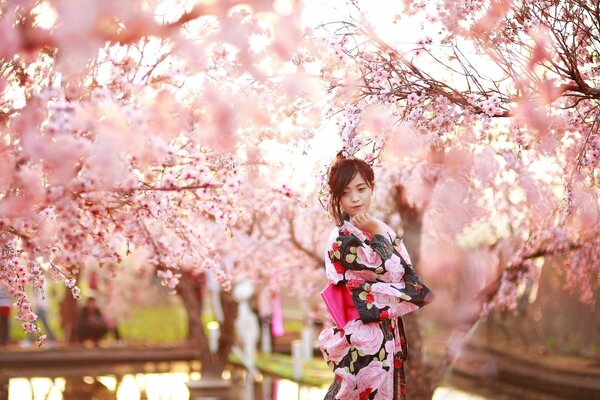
368 354
92 325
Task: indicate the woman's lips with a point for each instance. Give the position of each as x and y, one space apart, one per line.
355 207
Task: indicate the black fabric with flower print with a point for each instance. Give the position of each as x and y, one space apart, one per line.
345 258
349 244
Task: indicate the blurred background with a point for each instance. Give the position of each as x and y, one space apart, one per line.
164 199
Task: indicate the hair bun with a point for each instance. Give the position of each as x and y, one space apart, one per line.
340 156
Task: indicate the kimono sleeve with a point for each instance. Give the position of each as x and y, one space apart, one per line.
415 288
376 301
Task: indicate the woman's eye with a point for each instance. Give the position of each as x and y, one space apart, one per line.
361 190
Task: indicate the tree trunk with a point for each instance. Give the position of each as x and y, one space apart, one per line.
419 379
227 337
419 376
213 364
69 316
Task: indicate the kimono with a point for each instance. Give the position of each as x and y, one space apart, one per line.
367 356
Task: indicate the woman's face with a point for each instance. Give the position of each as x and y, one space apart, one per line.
356 198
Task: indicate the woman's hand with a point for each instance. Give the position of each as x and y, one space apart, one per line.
366 223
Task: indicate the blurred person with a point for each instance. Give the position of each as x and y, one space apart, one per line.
92 325
368 260
5 307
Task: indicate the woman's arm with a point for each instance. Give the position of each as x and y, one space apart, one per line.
374 300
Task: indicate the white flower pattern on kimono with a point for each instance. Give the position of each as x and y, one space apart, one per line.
398 310
370 377
332 275
365 337
385 391
384 294
390 349
368 257
336 344
384 300
348 384
391 289
394 268
361 275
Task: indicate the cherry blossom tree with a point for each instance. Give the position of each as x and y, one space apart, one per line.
489 128
119 132
138 128
275 243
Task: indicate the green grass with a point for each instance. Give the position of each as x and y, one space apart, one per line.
293 325
165 324
316 372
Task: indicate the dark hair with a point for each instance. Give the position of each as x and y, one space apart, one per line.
341 174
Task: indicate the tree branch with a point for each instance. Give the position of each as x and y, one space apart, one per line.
299 245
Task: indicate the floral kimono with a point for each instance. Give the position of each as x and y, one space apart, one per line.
368 354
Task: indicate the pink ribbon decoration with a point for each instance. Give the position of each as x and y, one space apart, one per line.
277 324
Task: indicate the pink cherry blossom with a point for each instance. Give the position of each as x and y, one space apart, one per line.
165 156
413 98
